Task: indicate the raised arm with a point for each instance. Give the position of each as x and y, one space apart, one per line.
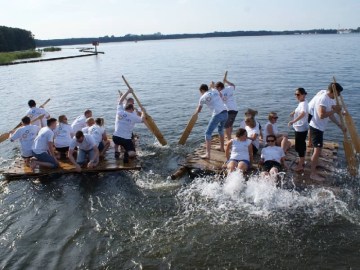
123 97
229 83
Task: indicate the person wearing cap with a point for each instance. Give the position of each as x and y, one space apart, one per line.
213 99
80 122
250 113
229 100
324 109
272 129
34 112
301 126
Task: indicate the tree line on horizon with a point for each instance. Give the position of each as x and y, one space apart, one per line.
15 39
159 36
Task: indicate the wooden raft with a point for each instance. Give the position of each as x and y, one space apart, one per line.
107 164
195 165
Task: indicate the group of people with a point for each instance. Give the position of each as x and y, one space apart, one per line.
45 140
308 118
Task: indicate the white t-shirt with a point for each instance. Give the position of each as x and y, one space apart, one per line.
97 133
87 144
85 130
79 123
41 141
301 125
36 112
26 136
324 101
312 101
274 153
213 100
251 131
243 124
125 122
240 150
275 129
229 98
62 135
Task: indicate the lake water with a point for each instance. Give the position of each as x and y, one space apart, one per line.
146 221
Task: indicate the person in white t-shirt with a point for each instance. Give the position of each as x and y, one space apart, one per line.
253 133
272 157
250 113
311 111
229 99
99 134
324 109
124 125
80 121
43 147
212 98
34 112
63 135
89 123
26 135
239 152
272 129
87 150
301 126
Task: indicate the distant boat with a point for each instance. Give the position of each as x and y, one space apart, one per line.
343 31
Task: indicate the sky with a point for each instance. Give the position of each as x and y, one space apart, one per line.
50 19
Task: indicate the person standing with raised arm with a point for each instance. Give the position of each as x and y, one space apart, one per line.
124 125
213 99
324 109
229 99
34 112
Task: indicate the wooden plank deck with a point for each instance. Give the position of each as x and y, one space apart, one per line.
107 164
215 165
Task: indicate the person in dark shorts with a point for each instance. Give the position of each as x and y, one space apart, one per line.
229 100
272 157
126 119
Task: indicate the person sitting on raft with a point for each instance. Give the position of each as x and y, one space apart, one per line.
43 147
26 135
87 149
212 98
272 157
250 113
99 135
80 121
229 100
239 152
63 135
272 129
253 133
124 125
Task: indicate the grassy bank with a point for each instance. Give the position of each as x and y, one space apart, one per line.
52 49
8 57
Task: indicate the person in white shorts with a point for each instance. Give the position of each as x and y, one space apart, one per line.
80 122
26 135
324 109
239 152
43 147
63 135
34 112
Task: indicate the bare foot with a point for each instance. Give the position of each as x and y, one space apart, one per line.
317 177
205 157
32 165
299 169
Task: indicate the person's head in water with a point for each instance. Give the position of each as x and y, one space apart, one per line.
203 88
25 120
219 86
241 134
32 103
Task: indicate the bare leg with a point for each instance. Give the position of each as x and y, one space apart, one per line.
314 163
228 132
222 143
34 163
309 141
27 162
242 166
208 148
106 147
285 144
300 165
231 166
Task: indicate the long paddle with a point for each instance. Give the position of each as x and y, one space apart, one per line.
41 106
225 77
6 135
348 147
351 127
151 124
188 128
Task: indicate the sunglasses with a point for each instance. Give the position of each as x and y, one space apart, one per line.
270 141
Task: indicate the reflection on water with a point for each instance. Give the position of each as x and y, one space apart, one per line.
143 220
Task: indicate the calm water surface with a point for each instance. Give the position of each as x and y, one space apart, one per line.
146 221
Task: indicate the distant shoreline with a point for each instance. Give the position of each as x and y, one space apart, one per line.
159 36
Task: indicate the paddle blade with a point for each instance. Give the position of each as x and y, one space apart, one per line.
155 130
350 158
225 77
4 137
352 131
188 129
